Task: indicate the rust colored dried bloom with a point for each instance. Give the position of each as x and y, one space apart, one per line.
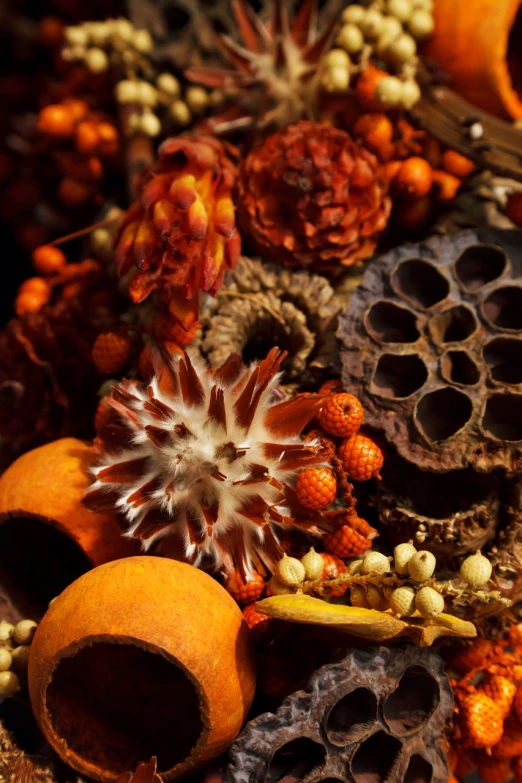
310 196
208 456
181 231
145 773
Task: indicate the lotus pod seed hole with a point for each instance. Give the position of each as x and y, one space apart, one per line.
391 323
352 717
420 282
503 308
398 375
117 704
412 703
479 265
453 325
376 758
503 355
37 562
419 770
442 413
503 417
295 760
459 367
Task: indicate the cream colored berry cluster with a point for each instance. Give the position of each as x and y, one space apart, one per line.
291 573
15 643
101 45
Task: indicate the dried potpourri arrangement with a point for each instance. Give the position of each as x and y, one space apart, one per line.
248 430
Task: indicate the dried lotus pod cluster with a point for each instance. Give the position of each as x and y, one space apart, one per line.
379 714
15 643
432 348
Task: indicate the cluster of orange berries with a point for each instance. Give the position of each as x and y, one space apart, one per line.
488 696
81 140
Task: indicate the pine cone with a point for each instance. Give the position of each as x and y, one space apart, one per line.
263 306
310 196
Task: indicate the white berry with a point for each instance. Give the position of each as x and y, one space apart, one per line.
422 566
313 564
402 601
402 554
9 685
421 24
428 602
375 563
354 13
476 570
290 571
350 38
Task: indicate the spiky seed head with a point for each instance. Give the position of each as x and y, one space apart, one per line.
421 566
402 554
476 570
375 563
313 564
402 601
428 602
290 571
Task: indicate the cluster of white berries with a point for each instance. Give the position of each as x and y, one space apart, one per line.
102 239
102 44
15 643
291 573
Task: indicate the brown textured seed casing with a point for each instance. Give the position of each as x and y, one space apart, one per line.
380 714
141 656
433 350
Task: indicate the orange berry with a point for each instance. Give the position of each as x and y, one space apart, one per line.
345 542
483 723
501 690
56 120
391 169
86 136
469 656
414 178
73 193
109 142
432 152
413 215
366 86
245 592
111 351
50 31
376 131
48 259
455 163
316 487
341 415
493 770
361 457
258 623
510 744
36 285
77 108
446 186
28 302
333 386
513 208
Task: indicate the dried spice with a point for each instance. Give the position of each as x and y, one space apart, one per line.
379 712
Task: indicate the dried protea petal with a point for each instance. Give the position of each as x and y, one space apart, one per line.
211 457
181 231
312 197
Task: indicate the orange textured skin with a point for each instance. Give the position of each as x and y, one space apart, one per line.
182 614
482 721
510 745
258 623
48 483
345 542
470 43
492 770
471 655
316 487
362 459
414 178
501 690
246 592
341 415
110 352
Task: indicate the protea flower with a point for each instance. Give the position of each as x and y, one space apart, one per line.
209 456
181 231
277 71
310 196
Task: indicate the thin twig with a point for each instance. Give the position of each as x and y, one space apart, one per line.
83 231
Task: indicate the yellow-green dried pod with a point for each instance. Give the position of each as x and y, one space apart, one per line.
422 565
313 564
275 587
402 601
376 599
9 685
375 563
290 571
428 602
24 631
5 659
402 554
358 596
6 632
476 570
354 567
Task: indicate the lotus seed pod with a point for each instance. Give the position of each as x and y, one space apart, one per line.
5 659
9 685
354 567
421 565
127 91
6 631
375 563
389 91
400 9
372 24
354 13
142 41
313 564
358 597
401 50
402 601
197 99
350 38
168 84
24 631
476 570
290 571
411 94
402 554
275 587
20 657
376 599
421 24
96 60
428 602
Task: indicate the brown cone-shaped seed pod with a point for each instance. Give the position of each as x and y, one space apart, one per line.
380 714
433 350
138 658
47 536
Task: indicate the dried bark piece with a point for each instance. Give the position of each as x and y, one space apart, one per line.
432 348
380 714
480 202
263 305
